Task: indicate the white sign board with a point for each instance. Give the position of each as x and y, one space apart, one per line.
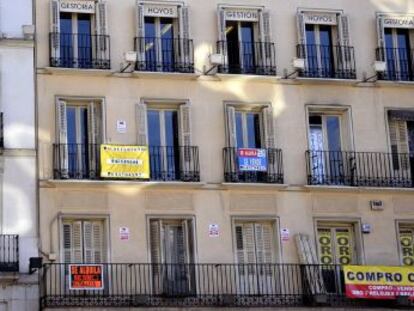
79 6
320 18
284 234
399 22
161 10
213 231
243 15
124 233
121 126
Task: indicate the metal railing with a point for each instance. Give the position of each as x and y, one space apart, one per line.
197 285
9 253
232 172
349 168
85 51
164 55
327 61
399 64
257 58
81 161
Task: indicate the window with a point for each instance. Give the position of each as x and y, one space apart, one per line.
406 242
84 241
79 40
163 42
248 129
79 134
245 41
172 249
319 49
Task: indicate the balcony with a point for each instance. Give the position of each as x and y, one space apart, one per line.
204 285
327 62
9 253
79 161
164 55
399 64
82 51
233 174
360 169
252 58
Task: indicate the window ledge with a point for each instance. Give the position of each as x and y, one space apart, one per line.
57 183
359 189
326 81
385 83
75 71
246 77
158 75
263 186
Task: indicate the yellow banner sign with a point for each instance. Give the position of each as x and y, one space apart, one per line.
125 162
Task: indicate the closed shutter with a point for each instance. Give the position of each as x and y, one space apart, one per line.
245 243
344 41
67 243
140 24
186 155
185 35
141 124
239 244
77 243
222 45
266 38
55 29
102 31
94 137
155 241
380 32
300 20
93 241
268 128
231 126
62 138
399 144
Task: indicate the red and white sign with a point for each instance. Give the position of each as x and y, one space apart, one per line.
124 233
213 231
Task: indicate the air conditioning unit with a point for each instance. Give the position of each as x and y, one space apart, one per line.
216 59
298 63
130 56
379 66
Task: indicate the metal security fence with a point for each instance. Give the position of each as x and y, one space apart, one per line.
232 173
164 54
327 61
9 253
202 285
349 168
84 51
257 58
399 64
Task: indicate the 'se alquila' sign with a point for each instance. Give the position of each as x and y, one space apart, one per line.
80 6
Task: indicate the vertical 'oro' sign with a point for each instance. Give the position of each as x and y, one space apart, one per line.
86 277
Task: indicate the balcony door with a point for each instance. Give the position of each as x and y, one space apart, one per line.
76 40
319 50
398 54
255 252
240 47
248 129
172 252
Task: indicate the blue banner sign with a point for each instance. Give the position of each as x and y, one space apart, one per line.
252 160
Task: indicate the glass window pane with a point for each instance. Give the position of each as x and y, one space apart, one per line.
171 128
248 47
150 44
311 50
333 133
325 246
404 53
239 129
233 51
389 42
84 41
167 43
253 130
71 124
66 40
326 55
154 130
83 131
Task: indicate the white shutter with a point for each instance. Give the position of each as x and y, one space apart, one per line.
98 241
249 243
101 16
94 137
77 246
55 28
88 242
155 241
140 32
344 40
380 32
62 138
399 142
266 38
239 244
186 155
222 48
300 20
268 128
141 124
67 243
185 35
231 126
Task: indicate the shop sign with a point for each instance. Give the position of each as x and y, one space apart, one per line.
320 18
379 282
244 15
79 6
399 22
86 277
126 162
252 160
161 11
407 250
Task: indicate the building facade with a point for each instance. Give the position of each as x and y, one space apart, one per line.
278 133
18 217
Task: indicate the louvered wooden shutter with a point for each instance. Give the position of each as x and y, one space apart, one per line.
141 124
268 128
222 45
155 241
380 32
249 243
231 126
99 251
185 35
399 144
239 244
102 30
344 40
77 242
55 28
62 138
67 243
186 155
94 137
88 242
140 24
266 39
300 20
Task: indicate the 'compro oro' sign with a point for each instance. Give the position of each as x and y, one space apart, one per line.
378 282
78 6
86 277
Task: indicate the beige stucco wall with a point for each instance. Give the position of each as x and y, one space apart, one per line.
294 205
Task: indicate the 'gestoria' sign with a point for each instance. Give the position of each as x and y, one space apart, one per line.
79 6
377 282
126 162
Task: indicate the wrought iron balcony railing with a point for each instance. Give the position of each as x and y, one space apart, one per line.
203 285
164 55
84 51
9 253
273 174
327 61
399 63
255 58
167 163
349 168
